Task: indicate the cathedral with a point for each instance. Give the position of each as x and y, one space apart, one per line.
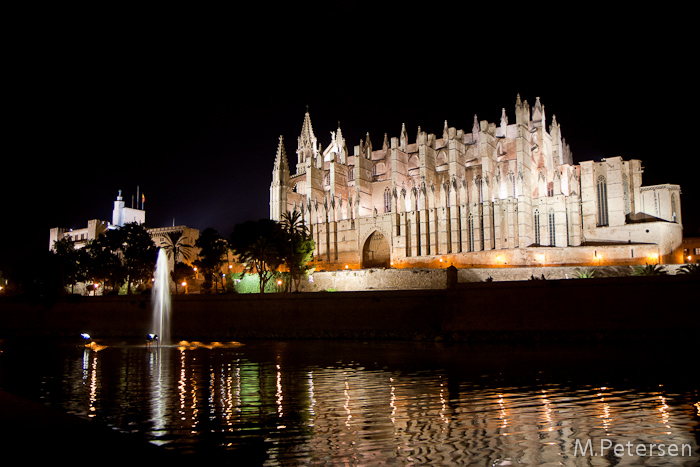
495 195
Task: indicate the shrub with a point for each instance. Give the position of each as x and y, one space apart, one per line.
649 270
689 269
585 274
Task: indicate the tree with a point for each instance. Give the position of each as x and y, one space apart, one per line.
138 254
105 264
213 250
181 273
259 246
176 246
68 261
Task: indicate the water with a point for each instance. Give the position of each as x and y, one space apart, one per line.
161 299
375 403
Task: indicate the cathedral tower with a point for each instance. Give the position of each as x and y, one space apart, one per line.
280 184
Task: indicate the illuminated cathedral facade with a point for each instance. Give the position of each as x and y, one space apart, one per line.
497 194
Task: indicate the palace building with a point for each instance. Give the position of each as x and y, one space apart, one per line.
497 194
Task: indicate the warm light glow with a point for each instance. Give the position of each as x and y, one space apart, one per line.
441 260
499 258
540 258
279 282
346 266
184 284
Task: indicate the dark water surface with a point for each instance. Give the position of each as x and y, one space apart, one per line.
378 403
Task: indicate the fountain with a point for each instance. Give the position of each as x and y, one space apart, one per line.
160 297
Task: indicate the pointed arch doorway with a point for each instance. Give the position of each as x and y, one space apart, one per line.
376 252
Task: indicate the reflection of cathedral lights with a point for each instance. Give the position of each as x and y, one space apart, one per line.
347 404
607 420
503 415
547 411
312 399
663 409
392 403
443 403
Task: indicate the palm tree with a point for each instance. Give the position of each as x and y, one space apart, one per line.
175 245
297 234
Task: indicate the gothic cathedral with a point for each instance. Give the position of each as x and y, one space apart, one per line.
505 194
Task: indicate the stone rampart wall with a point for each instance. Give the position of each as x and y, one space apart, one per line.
424 278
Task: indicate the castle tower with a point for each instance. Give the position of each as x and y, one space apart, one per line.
280 183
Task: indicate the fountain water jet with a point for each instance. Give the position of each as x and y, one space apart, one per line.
160 297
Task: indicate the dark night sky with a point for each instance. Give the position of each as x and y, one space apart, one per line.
191 111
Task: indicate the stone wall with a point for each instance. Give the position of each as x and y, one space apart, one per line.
424 278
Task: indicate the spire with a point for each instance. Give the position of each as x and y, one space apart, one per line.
538 113
403 138
281 158
306 143
307 137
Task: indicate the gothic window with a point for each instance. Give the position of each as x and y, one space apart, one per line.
537 226
602 195
387 200
552 232
374 170
327 179
351 175
550 189
479 188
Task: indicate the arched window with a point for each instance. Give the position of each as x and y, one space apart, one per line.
327 179
374 170
351 175
387 200
550 189
552 231
479 188
537 226
602 195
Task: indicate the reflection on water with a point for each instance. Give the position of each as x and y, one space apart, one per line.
376 403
